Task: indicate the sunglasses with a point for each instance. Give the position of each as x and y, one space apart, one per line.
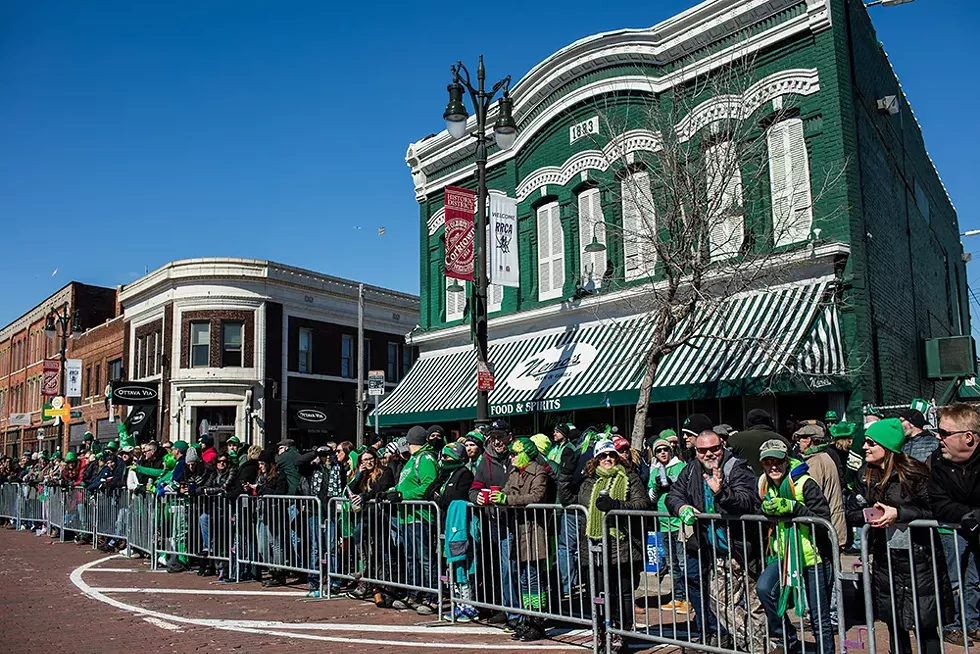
367 460
943 434
222 461
662 449
607 455
708 450
871 442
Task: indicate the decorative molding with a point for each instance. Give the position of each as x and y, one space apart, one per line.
798 81
819 15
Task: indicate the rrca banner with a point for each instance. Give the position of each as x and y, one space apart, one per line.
460 203
503 241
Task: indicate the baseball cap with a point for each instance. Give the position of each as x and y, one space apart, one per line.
773 448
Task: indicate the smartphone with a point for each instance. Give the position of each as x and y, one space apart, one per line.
871 513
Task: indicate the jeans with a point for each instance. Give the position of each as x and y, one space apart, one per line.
314 580
961 558
678 563
818 584
122 523
699 591
418 545
204 520
532 593
568 539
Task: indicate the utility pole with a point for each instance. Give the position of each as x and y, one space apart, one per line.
360 365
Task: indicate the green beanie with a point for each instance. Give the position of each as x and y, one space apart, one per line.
112 445
526 451
831 416
888 433
475 436
667 433
842 430
71 456
233 439
662 440
180 446
169 462
542 442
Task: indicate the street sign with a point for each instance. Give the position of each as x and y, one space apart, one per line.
376 382
76 414
59 409
484 377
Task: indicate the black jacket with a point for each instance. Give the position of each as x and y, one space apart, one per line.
746 444
739 496
454 486
490 471
277 486
892 576
630 547
358 485
248 472
954 488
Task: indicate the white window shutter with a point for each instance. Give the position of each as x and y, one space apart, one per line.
726 231
789 175
551 252
455 301
639 226
495 292
591 220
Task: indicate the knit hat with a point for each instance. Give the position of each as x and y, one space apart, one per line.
773 448
233 439
697 423
914 416
542 442
267 456
474 437
759 417
436 429
206 440
604 446
456 452
888 433
169 462
417 435
112 445
562 429
526 445
71 456
667 434
661 442
88 436
180 446
192 456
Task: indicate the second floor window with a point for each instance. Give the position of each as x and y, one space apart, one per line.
392 372
115 370
407 359
305 350
200 344
231 344
347 356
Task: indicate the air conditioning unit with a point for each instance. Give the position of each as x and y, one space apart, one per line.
950 357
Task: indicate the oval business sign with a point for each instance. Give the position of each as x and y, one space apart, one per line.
547 368
137 417
311 415
134 393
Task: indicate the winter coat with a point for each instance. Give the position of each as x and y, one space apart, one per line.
359 485
533 485
739 496
248 473
631 546
288 464
954 488
896 583
746 444
491 470
453 486
824 472
277 486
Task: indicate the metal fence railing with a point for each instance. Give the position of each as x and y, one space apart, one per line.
748 584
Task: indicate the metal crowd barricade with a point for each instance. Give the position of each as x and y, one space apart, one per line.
392 546
112 514
713 586
31 504
9 499
79 505
950 562
142 523
56 498
173 524
279 532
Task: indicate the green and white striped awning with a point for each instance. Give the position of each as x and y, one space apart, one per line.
786 338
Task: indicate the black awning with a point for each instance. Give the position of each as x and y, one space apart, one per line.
141 423
310 417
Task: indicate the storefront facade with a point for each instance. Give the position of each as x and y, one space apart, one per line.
569 342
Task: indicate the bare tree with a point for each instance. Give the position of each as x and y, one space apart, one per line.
714 205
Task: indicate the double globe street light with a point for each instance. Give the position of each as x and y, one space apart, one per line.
67 326
504 134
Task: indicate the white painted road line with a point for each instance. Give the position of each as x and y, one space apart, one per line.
232 625
164 625
114 570
201 591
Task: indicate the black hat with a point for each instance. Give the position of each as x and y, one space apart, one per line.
562 429
417 435
914 416
267 456
436 429
759 417
697 423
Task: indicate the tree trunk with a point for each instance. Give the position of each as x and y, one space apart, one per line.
665 322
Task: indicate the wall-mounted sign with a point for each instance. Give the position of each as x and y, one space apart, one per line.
130 393
460 207
19 420
49 384
311 415
504 268
583 129
73 378
545 369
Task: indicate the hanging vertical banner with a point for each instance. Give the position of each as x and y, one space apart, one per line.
503 241
460 205
73 378
49 383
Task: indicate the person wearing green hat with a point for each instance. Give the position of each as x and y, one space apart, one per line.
897 491
831 418
563 458
474 442
71 474
664 470
234 448
527 483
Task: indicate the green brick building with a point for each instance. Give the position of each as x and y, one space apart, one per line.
874 263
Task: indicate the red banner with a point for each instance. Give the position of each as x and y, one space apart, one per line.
460 207
49 383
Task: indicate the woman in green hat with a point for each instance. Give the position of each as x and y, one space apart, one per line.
896 488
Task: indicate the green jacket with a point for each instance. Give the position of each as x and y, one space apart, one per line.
419 473
658 492
289 467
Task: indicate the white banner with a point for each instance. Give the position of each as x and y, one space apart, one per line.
503 241
73 377
19 420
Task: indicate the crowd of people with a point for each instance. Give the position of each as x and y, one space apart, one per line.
728 576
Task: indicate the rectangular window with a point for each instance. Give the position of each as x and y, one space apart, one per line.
367 357
88 382
455 300
639 227
392 372
789 177
115 370
726 231
200 344
407 359
155 355
346 356
551 253
305 350
591 224
98 380
231 344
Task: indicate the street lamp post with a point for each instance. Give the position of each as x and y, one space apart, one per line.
60 323
505 133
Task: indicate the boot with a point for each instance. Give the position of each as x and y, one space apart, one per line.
202 568
278 579
211 571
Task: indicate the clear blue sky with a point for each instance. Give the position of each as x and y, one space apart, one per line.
136 133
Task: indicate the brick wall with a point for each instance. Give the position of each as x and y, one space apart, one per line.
100 346
216 319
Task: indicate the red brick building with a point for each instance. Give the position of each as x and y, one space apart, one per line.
101 351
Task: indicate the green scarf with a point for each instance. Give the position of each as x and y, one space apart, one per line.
816 449
617 483
790 560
